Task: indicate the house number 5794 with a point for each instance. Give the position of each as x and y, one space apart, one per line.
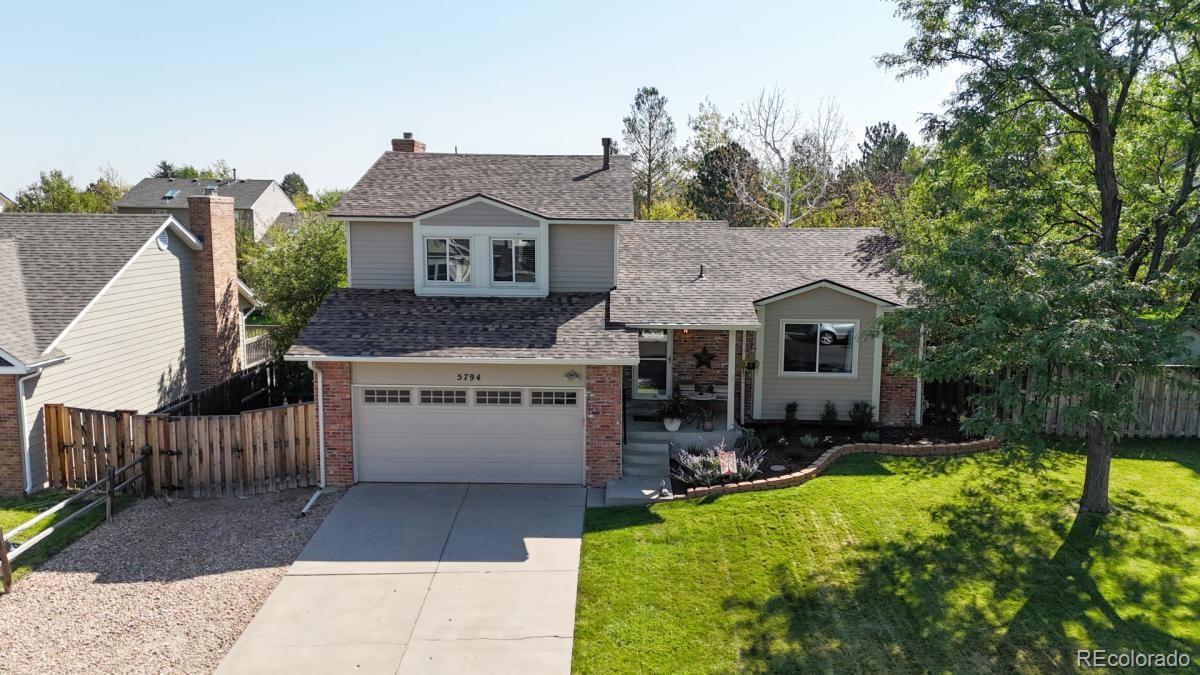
469 377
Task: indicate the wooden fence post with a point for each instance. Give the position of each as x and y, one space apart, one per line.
5 566
109 491
51 419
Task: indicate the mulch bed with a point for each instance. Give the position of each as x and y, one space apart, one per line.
784 448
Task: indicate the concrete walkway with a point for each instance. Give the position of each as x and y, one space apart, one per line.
427 578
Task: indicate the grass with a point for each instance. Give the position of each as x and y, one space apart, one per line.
13 512
888 564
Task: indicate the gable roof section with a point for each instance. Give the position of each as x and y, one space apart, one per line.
660 280
825 283
555 187
150 192
54 265
397 325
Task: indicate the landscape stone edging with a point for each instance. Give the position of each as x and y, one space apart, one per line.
828 457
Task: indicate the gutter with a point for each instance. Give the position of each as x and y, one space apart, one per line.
320 420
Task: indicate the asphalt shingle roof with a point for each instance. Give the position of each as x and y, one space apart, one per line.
354 322
408 184
53 264
149 192
659 275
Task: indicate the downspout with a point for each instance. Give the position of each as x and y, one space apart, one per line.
320 418
22 430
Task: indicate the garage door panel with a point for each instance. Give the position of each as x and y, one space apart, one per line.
469 443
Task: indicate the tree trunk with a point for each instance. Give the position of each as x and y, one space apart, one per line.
1095 476
1103 141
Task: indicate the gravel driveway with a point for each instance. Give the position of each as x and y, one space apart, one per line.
167 586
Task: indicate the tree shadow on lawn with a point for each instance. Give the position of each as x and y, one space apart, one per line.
1002 580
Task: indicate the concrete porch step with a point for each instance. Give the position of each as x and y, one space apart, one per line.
634 490
685 436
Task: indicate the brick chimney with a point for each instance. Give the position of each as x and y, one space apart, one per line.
210 217
407 144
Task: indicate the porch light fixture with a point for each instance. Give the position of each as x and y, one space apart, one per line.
571 376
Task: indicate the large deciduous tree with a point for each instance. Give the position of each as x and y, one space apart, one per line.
295 272
55 192
796 159
1060 212
650 137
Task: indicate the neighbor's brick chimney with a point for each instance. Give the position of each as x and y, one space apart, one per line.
407 144
210 217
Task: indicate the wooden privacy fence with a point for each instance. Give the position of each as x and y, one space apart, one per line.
200 456
1167 405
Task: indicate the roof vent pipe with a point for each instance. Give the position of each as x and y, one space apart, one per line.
607 143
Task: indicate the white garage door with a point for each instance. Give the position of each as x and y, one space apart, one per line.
469 434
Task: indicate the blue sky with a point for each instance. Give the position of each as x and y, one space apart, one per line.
321 87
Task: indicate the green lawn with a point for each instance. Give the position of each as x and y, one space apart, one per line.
888 564
13 512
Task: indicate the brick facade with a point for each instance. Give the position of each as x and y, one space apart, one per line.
338 422
218 320
603 424
685 369
12 469
897 395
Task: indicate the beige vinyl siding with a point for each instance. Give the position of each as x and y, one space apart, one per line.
381 255
581 257
810 393
272 202
180 213
135 349
479 214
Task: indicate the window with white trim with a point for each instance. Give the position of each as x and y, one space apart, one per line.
826 348
514 261
393 396
553 398
498 397
448 259
444 396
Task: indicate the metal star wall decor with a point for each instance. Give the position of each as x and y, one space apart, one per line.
704 357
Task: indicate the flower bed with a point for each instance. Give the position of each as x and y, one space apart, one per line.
828 457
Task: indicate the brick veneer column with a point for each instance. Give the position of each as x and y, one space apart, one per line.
339 424
897 394
12 469
218 317
603 424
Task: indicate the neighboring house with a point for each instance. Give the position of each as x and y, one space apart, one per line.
6 204
506 315
113 311
257 203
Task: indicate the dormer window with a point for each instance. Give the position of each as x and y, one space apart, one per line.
514 261
448 260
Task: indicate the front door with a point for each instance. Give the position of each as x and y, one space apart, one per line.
652 374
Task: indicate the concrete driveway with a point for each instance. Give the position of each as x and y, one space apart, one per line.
427 578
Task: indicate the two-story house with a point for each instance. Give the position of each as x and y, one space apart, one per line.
506 313
257 203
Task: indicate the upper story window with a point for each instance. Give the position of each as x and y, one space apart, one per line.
818 348
514 261
448 260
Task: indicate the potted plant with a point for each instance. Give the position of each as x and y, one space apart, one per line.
706 418
673 410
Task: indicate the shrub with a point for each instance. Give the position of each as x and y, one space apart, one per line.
862 416
809 441
747 442
696 465
675 407
870 436
789 414
829 416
